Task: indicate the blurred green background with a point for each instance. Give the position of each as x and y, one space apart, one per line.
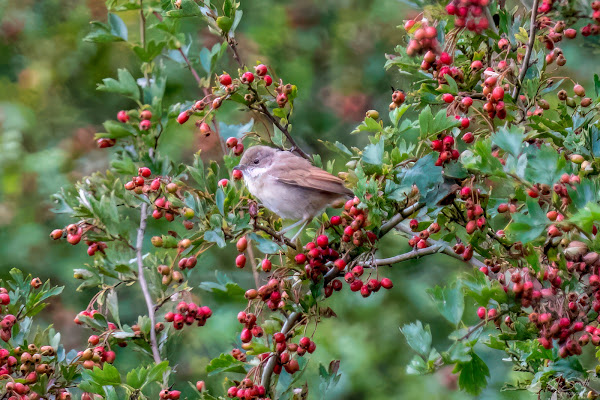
334 51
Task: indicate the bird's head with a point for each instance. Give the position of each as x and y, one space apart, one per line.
256 160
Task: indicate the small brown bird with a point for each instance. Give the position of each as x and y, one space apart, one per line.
289 185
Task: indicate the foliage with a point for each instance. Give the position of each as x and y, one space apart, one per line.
480 162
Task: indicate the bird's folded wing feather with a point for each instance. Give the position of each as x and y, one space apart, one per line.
309 176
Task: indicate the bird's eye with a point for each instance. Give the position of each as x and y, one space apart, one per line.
256 161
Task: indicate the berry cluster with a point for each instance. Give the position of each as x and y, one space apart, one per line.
424 38
250 328
494 92
95 355
169 275
469 14
475 213
187 314
570 101
235 145
445 146
420 241
270 293
31 363
123 116
354 220
365 288
441 67
246 390
458 107
318 254
8 321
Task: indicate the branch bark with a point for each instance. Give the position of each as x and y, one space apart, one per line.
525 65
268 371
144 284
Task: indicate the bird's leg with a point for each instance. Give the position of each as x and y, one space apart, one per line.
292 226
300 230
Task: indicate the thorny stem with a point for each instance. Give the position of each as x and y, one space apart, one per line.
525 65
144 284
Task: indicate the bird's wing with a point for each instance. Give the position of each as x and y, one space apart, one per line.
308 176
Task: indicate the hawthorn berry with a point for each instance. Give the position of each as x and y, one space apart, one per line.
225 80
122 116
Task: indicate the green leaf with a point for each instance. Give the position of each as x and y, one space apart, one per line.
373 153
157 371
509 140
473 375
225 363
107 375
126 85
418 337
215 236
449 302
424 174
220 200
266 246
528 227
152 50
114 31
112 303
116 130
117 26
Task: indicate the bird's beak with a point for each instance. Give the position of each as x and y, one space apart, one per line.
239 168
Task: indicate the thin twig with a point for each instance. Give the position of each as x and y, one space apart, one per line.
265 111
446 249
144 284
396 219
236 56
525 65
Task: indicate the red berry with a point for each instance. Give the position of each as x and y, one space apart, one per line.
237 174
468 137
146 114
247 77
231 142
475 65
465 122
448 98
386 283
268 80
260 70
183 117
144 171
448 141
437 145
145 124
122 116
240 261
445 58
225 80
481 312
239 149
335 220
300 258
223 182
322 241
340 264
467 101
498 93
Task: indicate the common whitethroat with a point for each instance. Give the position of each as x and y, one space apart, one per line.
289 185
